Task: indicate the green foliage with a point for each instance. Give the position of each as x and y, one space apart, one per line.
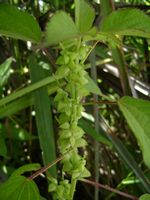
17 24
69 84
25 168
43 115
29 89
3 149
15 106
61 27
127 22
84 15
145 197
88 128
137 114
68 105
91 86
19 187
5 71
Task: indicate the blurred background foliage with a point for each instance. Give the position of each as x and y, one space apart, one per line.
19 142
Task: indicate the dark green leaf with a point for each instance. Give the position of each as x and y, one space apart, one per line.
127 22
61 27
5 71
19 188
42 198
3 148
84 15
124 154
43 115
89 129
137 114
25 168
30 89
15 106
18 24
24 102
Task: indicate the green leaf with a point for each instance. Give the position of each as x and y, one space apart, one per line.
3 148
19 133
124 154
44 120
89 129
5 71
84 15
26 168
137 114
91 86
24 102
19 188
18 24
30 89
61 27
127 22
145 197
42 198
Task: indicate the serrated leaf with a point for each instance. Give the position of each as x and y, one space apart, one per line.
26 168
60 28
18 24
127 22
137 114
145 197
19 188
84 15
5 71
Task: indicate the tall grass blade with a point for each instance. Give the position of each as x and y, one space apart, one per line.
30 89
43 116
125 155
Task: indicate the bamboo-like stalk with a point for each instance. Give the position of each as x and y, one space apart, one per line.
96 116
107 7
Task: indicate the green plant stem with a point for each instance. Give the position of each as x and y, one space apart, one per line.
96 116
99 102
106 187
72 188
107 7
118 57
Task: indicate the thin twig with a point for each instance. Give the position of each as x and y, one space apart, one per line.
99 102
106 187
45 168
94 45
50 57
